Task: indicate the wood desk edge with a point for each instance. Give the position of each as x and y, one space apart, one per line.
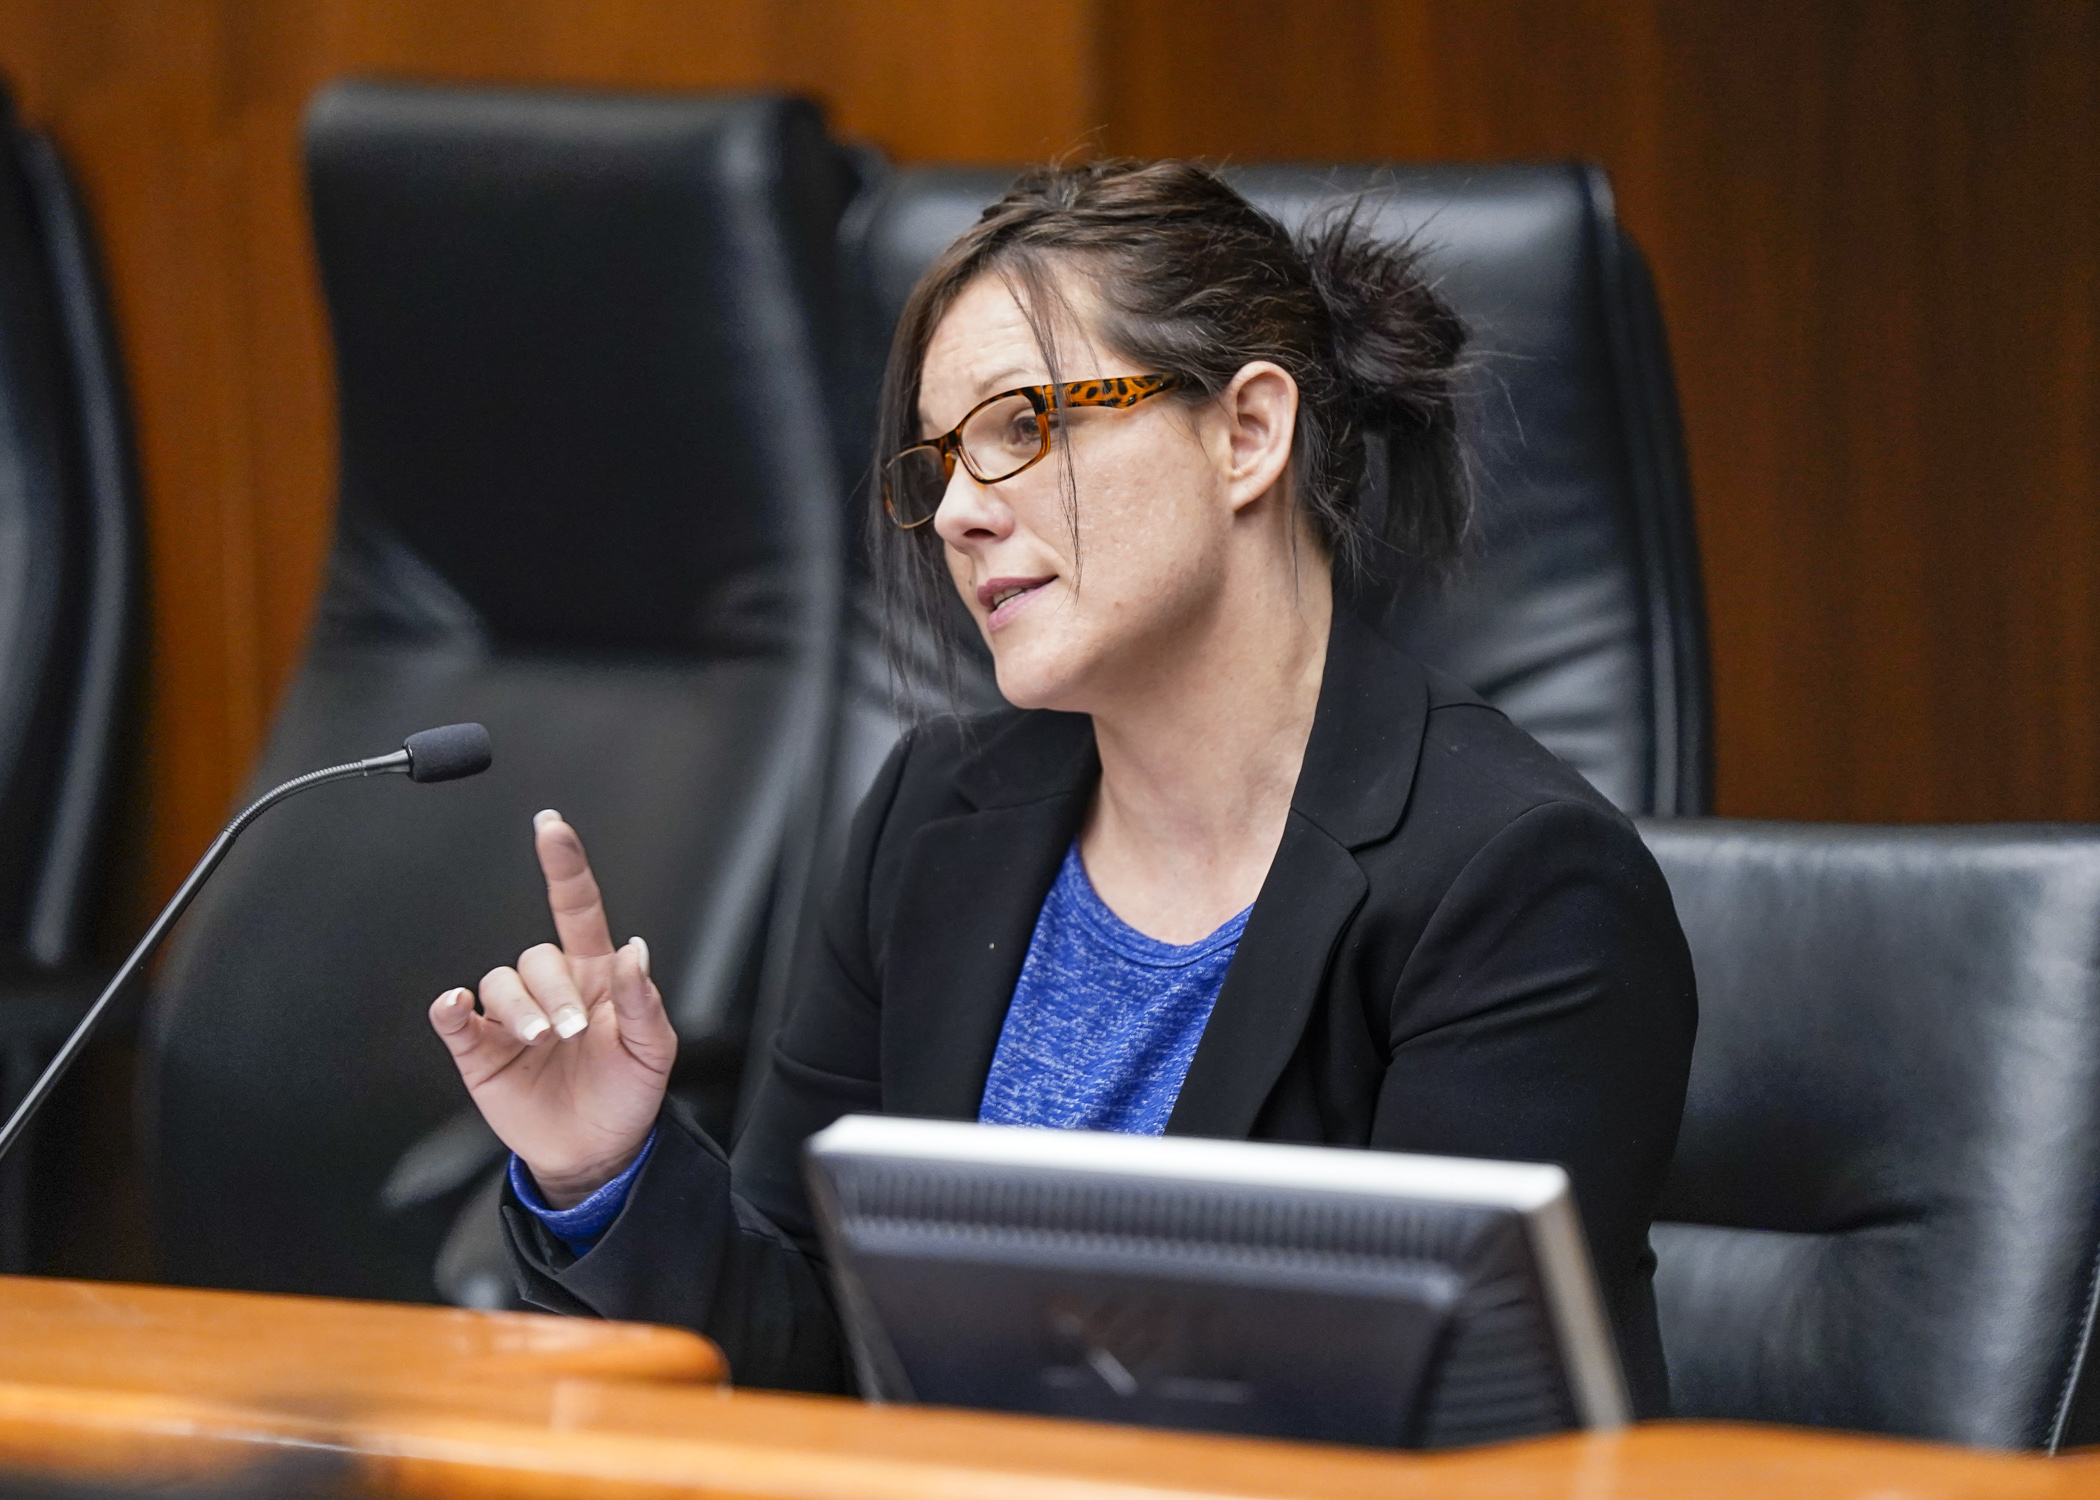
221 1327
531 1404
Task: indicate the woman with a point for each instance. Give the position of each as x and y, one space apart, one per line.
1232 867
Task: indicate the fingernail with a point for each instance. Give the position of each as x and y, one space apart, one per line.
642 952
570 1022
533 1029
542 819
453 998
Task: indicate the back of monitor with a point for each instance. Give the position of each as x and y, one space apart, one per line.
1280 1291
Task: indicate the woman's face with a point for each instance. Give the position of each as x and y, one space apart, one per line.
1076 623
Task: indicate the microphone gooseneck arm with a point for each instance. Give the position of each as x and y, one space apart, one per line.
459 750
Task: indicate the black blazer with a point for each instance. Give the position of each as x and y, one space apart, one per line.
1461 948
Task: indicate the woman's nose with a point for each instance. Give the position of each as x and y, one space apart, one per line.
971 512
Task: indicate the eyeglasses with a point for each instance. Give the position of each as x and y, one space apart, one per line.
1001 436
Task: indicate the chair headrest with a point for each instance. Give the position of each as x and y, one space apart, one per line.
580 342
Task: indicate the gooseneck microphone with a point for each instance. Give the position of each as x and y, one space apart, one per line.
444 754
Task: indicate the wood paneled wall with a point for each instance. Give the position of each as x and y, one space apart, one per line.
1875 226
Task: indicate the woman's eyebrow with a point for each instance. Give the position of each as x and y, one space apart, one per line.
1002 380
998 381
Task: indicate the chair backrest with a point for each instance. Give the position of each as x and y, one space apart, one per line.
588 498
1886 1199
68 559
1581 614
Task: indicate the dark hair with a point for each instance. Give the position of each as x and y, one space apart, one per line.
1195 281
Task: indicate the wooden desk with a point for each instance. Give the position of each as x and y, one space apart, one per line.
236 1344
144 1384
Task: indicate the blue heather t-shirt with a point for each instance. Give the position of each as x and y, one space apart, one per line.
1104 1020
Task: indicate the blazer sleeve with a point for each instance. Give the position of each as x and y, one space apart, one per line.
727 1246
1547 1014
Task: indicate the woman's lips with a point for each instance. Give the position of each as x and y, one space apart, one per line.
1003 598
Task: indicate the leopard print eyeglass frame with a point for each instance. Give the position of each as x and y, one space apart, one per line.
1001 436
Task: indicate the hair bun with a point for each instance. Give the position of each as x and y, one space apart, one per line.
1397 341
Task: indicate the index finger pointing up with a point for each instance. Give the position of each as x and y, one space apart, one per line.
572 891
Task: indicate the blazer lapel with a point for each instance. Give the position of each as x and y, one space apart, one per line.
1352 789
969 892
1313 889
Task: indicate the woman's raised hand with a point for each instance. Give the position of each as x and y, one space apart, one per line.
569 1059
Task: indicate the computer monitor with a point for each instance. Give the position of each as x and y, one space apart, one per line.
1286 1291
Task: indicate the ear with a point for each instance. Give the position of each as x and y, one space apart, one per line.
1260 412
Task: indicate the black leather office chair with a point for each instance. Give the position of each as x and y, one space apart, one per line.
589 498
68 606
1886 1199
68 558
1581 614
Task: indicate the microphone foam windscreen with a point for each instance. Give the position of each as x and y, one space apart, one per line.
447 754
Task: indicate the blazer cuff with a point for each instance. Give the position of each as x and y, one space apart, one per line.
659 1261
581 1226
